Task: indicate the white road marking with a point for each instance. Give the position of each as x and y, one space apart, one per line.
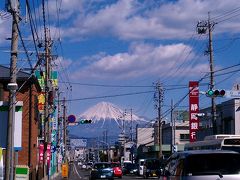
76 171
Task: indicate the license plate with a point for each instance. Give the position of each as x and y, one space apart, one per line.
103 176
131 171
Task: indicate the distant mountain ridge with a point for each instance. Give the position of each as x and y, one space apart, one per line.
107 111
106 117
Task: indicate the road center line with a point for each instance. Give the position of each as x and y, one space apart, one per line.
76 171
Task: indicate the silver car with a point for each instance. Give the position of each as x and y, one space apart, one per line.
202 165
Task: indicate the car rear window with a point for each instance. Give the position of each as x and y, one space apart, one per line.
116 165
102 166
210 164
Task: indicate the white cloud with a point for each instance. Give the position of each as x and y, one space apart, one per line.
144 60
129 19
66 8
5 30
62 64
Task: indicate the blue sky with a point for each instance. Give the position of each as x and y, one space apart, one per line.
102 43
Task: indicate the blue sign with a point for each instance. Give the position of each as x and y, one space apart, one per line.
71 118
53 149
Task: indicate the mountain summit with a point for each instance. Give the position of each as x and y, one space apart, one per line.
107 111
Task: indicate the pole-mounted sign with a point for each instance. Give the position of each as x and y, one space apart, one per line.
71 119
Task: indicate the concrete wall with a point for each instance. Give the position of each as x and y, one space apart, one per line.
145 136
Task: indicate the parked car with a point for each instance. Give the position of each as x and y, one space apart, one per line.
130 168
101 170
89 165
117 169
203 164
152 167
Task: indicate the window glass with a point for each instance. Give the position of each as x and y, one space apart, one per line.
231 148
210 164
184 137
170 167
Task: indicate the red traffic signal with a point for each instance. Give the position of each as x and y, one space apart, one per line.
222 92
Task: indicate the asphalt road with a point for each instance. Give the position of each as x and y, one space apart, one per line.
76 173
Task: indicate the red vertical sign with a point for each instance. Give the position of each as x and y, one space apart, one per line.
48 154
193 110
41 153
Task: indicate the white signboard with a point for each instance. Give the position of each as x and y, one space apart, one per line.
78 142
232 94
17 125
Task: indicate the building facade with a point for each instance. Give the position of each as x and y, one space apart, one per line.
227 121
28 90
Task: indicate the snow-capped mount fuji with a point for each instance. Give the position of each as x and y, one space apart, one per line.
106 117
104 111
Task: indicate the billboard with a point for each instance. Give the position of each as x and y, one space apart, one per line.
193 110
41 78
78 142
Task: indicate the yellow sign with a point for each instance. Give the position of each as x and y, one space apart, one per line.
41 101
65 170
1 153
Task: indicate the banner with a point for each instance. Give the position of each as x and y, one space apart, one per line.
41 102
48 154
193 110
41 153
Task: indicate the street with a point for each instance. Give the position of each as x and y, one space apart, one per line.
76 173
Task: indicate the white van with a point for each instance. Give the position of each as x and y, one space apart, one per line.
141 166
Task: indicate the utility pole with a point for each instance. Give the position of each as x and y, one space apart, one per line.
173 128
202 28
47 130
13 8
59 126
131 125
64 129
159 100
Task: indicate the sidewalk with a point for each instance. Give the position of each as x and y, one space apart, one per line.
57 175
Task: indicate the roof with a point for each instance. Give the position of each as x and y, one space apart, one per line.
21 76
199 152
5 73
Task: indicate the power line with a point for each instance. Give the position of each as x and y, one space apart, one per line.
109 96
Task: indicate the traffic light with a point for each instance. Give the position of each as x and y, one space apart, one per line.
215 93
85 121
